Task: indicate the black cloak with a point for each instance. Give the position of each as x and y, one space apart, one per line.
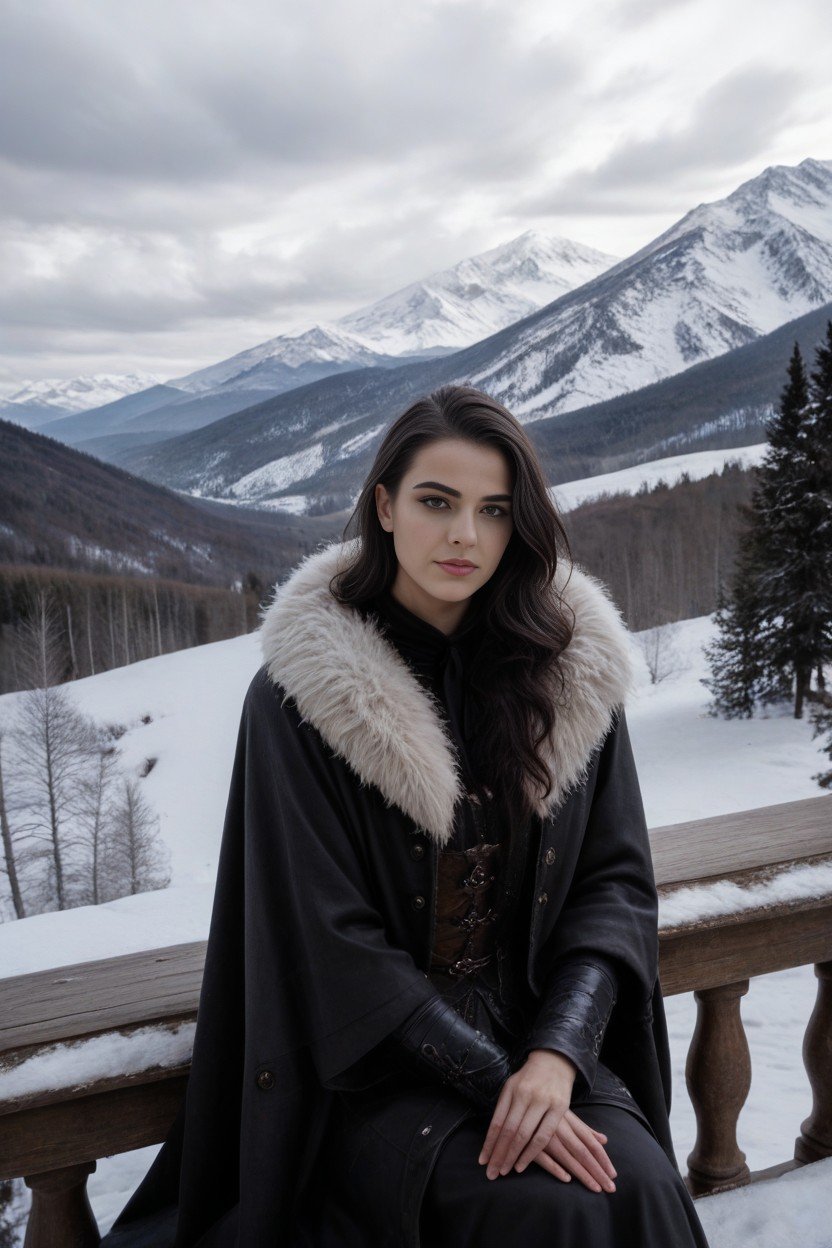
321 929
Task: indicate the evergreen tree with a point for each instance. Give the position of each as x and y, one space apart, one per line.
782 538
818 611
733 656
777 627
749 659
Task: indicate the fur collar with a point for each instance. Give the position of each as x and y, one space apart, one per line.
352 685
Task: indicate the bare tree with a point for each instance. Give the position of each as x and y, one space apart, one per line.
136 855
660 652
39 644
54 745
8 841
95 817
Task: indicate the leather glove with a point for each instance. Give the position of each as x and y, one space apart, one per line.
436 1039
572 1017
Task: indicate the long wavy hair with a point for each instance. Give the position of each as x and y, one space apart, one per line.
515 678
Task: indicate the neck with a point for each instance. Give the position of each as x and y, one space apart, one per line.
444 616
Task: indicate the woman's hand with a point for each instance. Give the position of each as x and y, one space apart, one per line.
532 1121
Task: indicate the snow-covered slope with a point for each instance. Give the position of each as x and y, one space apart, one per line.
78 394
478 296
447 310
443 312
724 274
670 469
716 288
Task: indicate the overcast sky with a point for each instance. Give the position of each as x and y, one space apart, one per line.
181 180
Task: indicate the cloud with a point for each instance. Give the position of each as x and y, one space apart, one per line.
180 181
735 120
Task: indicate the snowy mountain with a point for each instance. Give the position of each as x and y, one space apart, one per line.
478 296
51 397
726 275
445 311
448 310
282 362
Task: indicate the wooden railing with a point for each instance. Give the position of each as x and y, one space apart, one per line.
53 1135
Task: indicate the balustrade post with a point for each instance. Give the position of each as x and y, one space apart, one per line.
718 1077
815 1139
61 1215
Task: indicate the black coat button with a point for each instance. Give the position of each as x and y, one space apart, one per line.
265 1080
417 902
550 857
417 851
543 898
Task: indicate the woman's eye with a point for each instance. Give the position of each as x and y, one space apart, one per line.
494 509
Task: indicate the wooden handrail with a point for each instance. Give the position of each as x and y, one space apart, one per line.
53 1136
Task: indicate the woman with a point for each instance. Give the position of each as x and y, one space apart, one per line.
430 1012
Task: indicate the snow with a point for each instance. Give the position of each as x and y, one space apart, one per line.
194 700
105 1056
697 464
784 1212
279 473
81 394
724 274
446 310
698 902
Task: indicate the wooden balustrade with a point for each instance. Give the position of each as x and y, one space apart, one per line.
53 1137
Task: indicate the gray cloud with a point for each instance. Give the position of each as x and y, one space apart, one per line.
734 120
179 181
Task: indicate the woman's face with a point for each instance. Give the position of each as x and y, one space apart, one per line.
454 503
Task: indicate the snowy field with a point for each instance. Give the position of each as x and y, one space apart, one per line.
690 766
697 464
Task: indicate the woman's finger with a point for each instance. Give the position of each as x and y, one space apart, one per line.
589 1136
567 1148
516 1113
498 1118
534 1132
548 1162
539 1139
496 1126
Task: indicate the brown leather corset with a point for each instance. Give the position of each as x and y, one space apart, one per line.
465 909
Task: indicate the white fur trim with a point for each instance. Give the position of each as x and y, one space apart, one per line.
352 685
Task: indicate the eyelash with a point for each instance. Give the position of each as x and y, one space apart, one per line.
436 498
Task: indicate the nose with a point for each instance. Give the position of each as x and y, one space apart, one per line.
463 531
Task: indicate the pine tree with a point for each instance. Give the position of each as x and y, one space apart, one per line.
782 537
818 586
820 506
775 629
733 657
799 555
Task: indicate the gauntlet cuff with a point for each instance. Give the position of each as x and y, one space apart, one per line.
436 1039
572 1018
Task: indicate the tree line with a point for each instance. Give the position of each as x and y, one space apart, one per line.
102 622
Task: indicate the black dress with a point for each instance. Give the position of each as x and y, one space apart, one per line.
461 1207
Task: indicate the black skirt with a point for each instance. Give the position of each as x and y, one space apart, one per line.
414 1137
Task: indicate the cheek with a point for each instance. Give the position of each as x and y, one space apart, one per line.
495 539
416 538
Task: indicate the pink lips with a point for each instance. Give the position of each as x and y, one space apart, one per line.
457 569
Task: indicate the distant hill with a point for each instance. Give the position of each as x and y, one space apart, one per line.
62 508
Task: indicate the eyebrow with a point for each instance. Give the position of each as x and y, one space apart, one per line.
446 489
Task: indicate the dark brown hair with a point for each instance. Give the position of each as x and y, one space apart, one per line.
515 678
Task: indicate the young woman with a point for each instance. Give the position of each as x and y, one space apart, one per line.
430 1013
